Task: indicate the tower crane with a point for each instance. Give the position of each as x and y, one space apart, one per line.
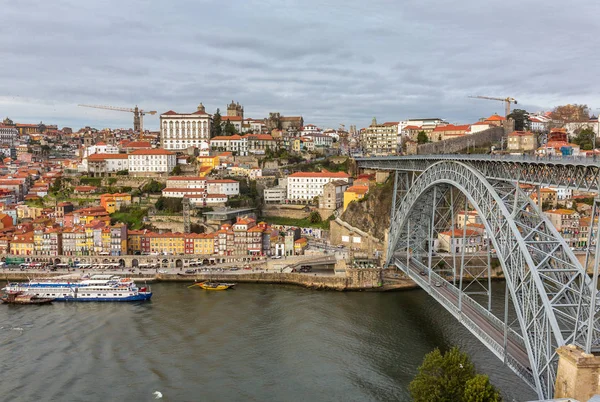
507 101
138 114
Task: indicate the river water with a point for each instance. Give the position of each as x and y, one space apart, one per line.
255 343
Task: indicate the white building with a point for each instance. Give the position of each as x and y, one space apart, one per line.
105 164
186 182
100 148
8 135
151 161
180 192
226 186
181 130
275 194
321 140
235 144
308 185
206 199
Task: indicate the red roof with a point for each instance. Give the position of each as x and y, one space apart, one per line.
170 112
412 127
227 137
520 133
221 181
184 190
138 144
151 152
231 118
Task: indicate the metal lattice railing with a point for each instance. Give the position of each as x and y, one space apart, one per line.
549 288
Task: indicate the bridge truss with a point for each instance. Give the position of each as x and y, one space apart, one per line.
550 299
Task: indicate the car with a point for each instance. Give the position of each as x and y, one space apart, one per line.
438 284
340 246
190 271
276 257
422 273
162 271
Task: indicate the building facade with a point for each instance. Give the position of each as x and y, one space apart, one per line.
156 161
181 130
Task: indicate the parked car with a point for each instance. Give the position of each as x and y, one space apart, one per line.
190 271
276 257
162 271
234 269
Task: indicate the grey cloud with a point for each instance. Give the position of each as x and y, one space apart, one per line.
330 61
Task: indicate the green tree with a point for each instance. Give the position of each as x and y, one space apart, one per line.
521 118
229 128
479 389
422 137
585 139
176 171
216 124
314 217
153 187
442 378
567 113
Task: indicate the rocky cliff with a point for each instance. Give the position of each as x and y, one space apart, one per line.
372 215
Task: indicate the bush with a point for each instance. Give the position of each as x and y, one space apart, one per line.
91 181
169 204
153 186
451 377
112 181
122 172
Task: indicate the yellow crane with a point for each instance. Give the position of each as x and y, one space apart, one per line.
507 102
138 114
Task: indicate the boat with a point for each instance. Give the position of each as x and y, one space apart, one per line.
95 288
24 298
214 285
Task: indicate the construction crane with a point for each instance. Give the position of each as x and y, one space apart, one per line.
507 102
138 114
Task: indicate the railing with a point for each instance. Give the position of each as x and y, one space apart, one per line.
573 159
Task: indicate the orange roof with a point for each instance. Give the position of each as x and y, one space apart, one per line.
495 117
227 137
459 233
451 127
412 127
138 144
151 152
101 157
301 240
186 178
358 189
221 181
231 118
561 211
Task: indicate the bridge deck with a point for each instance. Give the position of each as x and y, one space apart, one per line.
480 322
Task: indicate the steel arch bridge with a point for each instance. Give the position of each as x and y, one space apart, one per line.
552 295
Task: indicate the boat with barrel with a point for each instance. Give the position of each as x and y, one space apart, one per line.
13 297
96 288
206 285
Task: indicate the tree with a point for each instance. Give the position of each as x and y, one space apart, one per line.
422 137
315 217
567 113
229 128
216 124
479 389
153 187
176 170
442 378
585 139
521 118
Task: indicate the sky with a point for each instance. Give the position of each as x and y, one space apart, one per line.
333 62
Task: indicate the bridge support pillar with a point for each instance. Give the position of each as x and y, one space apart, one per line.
578 374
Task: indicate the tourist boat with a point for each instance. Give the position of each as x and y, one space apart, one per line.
213 285
24 298
95 288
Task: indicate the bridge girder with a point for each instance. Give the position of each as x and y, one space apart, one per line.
571 172
549 289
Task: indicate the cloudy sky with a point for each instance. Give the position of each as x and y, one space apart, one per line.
330 61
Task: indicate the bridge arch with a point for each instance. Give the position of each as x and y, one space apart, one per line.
547 284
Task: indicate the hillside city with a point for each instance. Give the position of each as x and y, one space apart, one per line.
214 185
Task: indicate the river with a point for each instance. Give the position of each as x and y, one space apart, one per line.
255 343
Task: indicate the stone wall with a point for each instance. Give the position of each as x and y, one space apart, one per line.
286 211
458 144
368 243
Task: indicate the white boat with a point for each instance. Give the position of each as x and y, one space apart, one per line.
95 288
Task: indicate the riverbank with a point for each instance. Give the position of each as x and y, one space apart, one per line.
355 280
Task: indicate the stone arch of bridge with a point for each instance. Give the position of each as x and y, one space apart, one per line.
546 283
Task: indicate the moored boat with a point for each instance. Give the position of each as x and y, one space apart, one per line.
96 288
213 285
24 298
